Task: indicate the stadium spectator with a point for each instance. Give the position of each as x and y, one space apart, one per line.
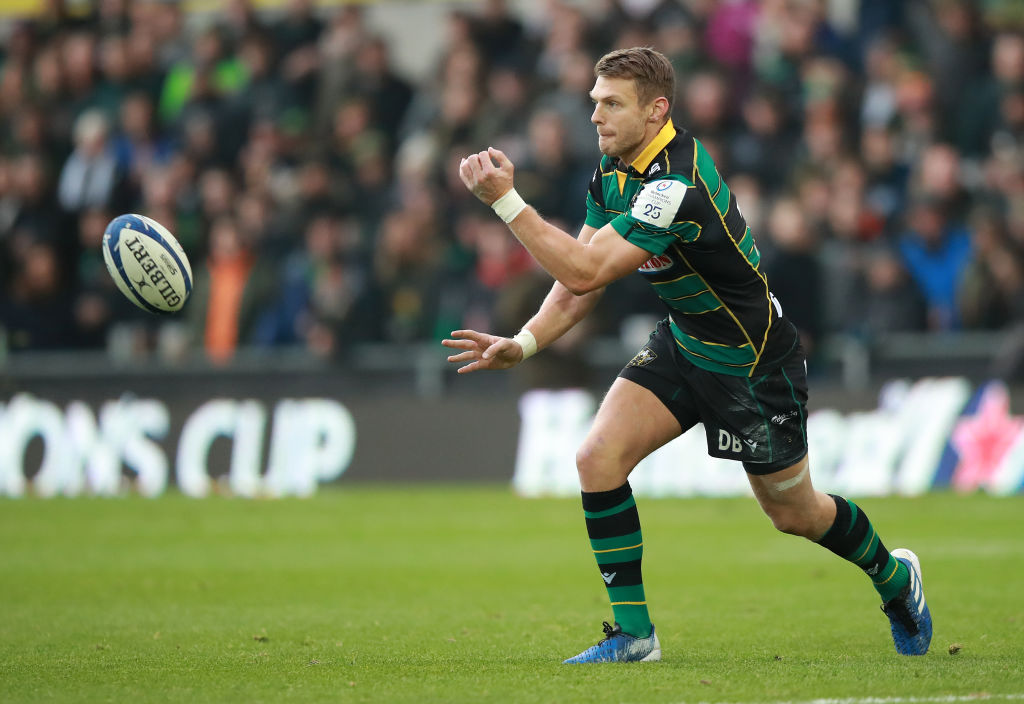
138 145
79 62
36 311
951 46
296 35
266 96
115 75
232 293
498 34
240 19
891 300
167 199
96 299
547 166
705 108
507 101
569 98
795 270
936 252
991 292
565 37
939 178
763 146
407 266
339 44
147 73
886 174
200 82
387 94
217 195
325 302
49 92
91 177
978 107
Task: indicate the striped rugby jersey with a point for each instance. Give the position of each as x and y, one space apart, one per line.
704 262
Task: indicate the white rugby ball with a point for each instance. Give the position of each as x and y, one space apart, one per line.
147 263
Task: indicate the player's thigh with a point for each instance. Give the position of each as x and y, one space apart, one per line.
631 423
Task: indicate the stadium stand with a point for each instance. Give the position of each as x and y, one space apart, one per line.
876 148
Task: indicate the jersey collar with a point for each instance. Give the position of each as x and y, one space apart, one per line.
660 141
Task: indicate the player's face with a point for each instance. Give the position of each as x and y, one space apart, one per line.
620 119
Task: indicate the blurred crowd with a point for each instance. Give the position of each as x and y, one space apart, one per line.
876 148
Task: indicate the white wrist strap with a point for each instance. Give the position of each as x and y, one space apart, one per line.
509 206
527 341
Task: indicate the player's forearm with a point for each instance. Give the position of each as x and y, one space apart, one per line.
559 313
559 253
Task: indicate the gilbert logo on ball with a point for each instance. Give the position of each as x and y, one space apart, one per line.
147 263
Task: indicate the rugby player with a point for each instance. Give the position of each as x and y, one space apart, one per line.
725 355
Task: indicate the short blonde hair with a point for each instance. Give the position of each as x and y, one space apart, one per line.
650 70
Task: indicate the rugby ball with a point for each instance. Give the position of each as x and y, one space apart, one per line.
147 263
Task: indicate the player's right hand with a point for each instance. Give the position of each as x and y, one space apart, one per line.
483 351
485 180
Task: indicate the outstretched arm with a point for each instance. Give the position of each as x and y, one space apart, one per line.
559 312
580 265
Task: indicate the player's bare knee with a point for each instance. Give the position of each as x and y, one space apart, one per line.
584 459
589 462
598 471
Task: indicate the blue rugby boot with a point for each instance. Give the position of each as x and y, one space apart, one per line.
908 612
620 647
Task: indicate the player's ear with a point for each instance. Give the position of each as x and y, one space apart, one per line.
659 109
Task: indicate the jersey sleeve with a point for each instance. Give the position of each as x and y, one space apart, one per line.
656 216
597 216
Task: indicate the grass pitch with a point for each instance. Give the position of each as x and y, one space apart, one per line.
468 594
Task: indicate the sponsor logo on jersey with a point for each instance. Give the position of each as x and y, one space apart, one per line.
654 169
657 263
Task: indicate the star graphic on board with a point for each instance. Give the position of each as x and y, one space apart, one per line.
983 439
142 283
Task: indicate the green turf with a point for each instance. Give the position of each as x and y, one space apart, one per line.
471 595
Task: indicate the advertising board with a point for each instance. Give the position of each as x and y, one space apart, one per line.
288 434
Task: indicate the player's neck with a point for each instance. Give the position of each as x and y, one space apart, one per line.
651 133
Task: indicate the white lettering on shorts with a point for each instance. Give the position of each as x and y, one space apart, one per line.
728 442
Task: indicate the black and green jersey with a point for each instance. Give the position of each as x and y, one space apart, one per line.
704 263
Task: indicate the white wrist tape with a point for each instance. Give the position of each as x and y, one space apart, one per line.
509 206
527 341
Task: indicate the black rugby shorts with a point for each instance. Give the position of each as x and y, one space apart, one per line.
760 421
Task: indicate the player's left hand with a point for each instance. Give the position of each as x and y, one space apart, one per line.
483 351
485 180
